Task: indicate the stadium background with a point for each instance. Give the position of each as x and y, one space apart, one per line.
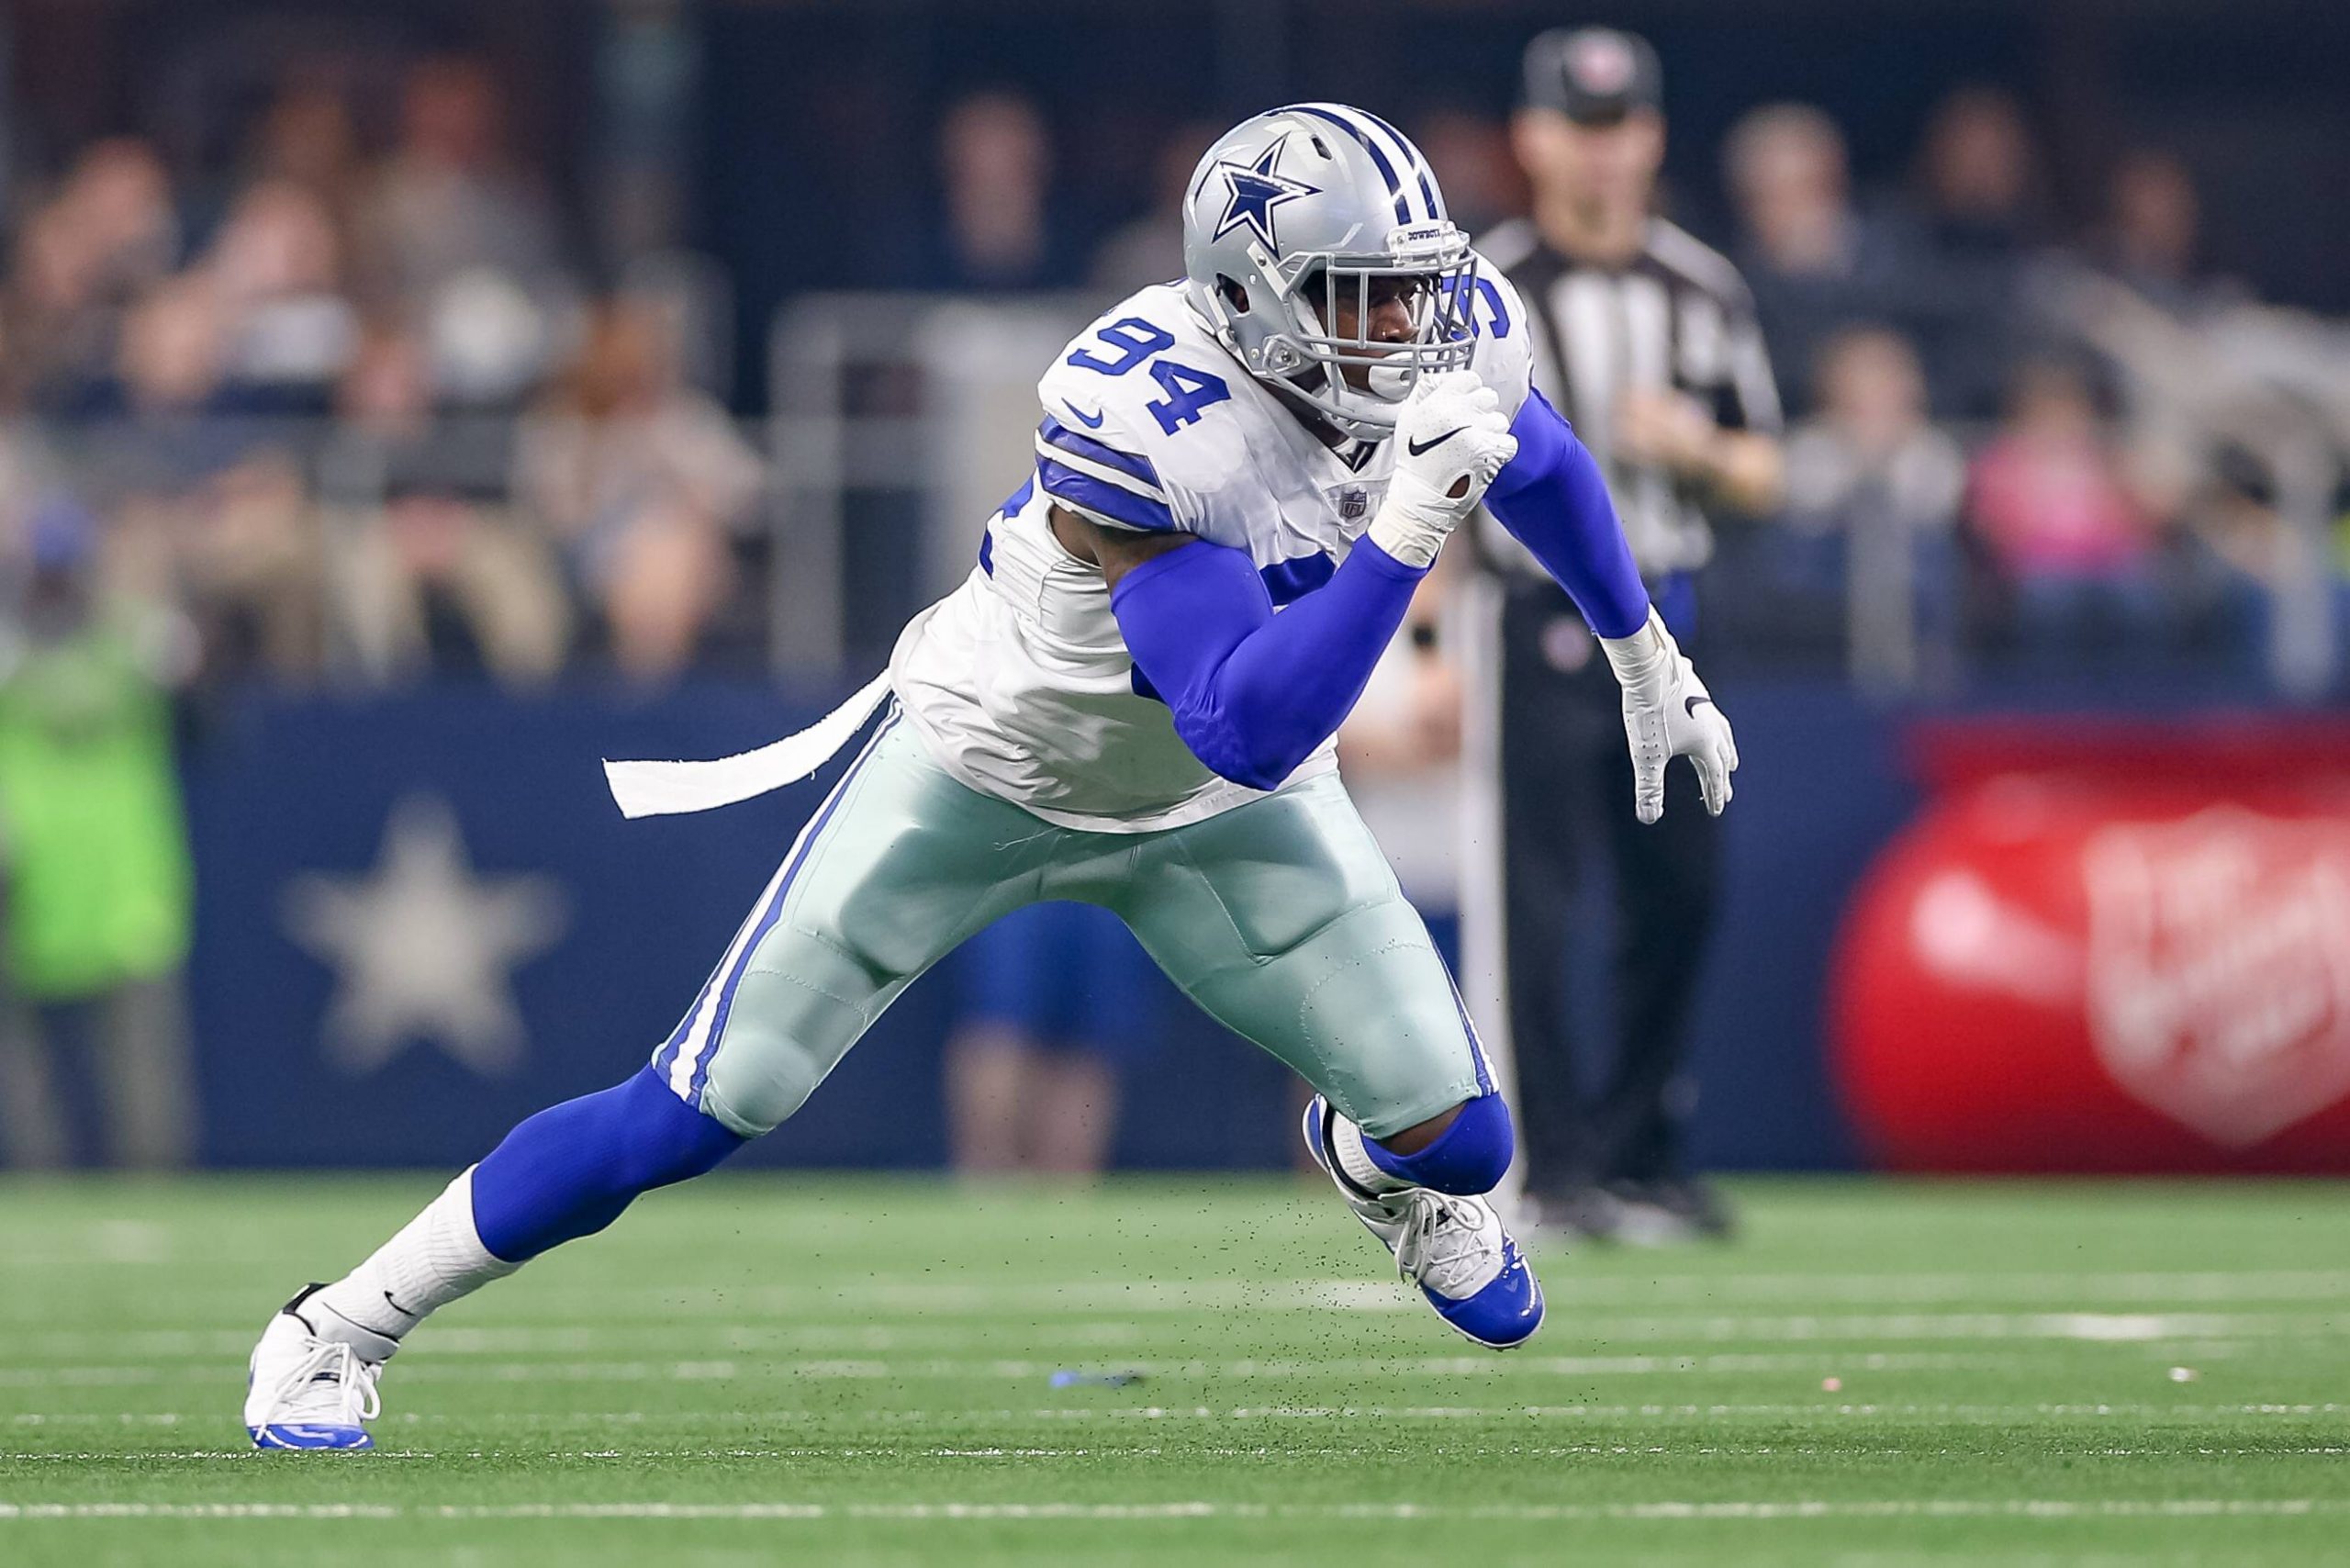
448 397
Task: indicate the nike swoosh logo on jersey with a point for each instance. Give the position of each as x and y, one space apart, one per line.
1091 423
1417 447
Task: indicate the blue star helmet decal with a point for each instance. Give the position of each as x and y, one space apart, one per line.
1256 191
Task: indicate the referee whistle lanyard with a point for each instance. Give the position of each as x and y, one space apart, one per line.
665 789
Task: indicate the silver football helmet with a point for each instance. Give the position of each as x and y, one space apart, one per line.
1295 213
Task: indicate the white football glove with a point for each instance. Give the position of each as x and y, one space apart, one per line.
1451 438
1668 713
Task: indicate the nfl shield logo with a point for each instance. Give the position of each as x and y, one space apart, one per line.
2218 968
1353 504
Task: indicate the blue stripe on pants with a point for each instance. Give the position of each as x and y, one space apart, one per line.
774 909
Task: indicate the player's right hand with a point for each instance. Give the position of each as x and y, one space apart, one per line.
1451 438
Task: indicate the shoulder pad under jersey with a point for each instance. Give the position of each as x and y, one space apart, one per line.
1503 358
1140 424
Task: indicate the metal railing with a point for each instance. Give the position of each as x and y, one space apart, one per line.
902 422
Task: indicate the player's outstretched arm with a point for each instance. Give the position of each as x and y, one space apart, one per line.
1253 693
1554 498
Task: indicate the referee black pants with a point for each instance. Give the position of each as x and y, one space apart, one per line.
1566 795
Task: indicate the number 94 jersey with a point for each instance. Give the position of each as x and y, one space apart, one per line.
1020 681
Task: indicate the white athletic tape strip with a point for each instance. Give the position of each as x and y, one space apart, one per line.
664 789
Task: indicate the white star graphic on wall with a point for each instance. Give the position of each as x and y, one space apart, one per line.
424 950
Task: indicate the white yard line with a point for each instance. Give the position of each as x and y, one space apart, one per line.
751 1337
1703 1448
2134 1411
1901 1411
1518 1365
692 1292
2050 1508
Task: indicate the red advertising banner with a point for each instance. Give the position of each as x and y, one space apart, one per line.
2103 948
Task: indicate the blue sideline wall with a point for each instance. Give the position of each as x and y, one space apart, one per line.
283 789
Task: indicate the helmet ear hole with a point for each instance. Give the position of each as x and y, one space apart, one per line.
1234 295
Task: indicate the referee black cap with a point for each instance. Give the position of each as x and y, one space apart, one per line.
1592 75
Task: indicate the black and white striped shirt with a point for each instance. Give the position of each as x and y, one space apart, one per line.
1677 317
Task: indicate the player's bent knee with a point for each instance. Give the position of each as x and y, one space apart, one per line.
1468 1157
789 1028
759 1083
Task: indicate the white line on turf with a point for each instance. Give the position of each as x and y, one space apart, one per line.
1518 1449
2037 1508
1517 1364
861 1298
1131 1413
43 1350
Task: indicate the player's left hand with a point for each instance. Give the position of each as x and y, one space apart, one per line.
1668 713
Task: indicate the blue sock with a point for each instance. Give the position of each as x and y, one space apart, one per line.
569 1170
1468 1158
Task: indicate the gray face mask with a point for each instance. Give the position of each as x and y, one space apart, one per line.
1311 216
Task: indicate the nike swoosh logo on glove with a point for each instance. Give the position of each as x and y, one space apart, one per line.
1417 447
1689 705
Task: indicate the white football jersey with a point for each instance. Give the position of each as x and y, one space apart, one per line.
1020 681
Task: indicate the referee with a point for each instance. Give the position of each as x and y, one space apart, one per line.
1646 340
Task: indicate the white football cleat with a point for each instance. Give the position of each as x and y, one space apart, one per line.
1453 1247
305 1391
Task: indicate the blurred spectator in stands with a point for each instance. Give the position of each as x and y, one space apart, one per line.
1470 152
276 267
171 362
453 225
1150 249
1001 229
2073 542
1055 999
308 139
2151 221
444 582
1977 233
2150 243
1814 264
1873 499
209 507
110 234
58 337
643 482
97 885
386 393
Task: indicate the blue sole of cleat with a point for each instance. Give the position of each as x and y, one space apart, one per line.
1489 1344
295 1438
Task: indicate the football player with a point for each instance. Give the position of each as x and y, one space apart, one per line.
1240 476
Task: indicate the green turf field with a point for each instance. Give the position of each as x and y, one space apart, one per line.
858 1372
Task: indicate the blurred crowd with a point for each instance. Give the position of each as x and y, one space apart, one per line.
365 414
2059 437
357 414
359 405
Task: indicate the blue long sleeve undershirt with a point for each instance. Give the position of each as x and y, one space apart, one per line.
1254 693
1553 499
